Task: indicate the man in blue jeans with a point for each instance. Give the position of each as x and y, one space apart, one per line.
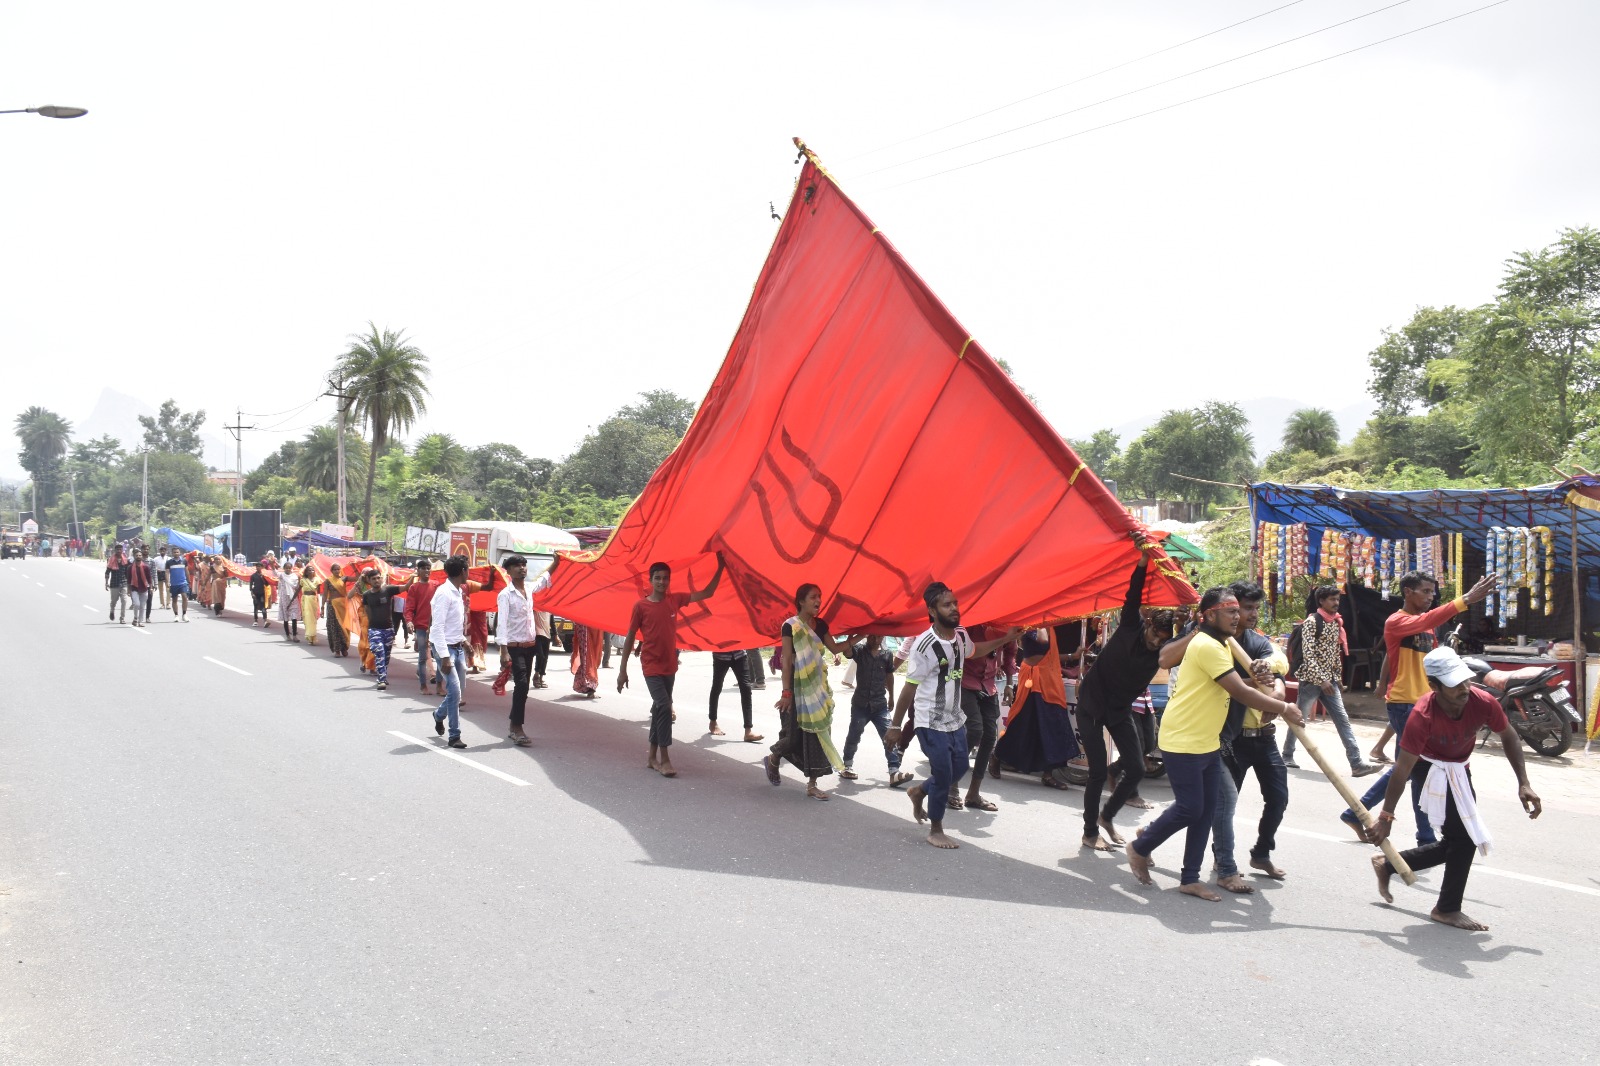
1190 737
869 705
448 638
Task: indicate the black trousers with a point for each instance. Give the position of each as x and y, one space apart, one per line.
1454 849
983 728
741 673
521 672
1260 755
1130 765
541 655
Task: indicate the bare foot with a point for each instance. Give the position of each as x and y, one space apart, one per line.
664 768
1267 867
1233 883
917 795
1139 803
1361 834
1458 920
751 738
1199 889
1139 863
1111 832
716 730
650 763
1379 757
939 840
1096 842
1380 866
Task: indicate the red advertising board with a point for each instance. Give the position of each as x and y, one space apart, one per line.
475 546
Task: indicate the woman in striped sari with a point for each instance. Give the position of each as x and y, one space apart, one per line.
806 709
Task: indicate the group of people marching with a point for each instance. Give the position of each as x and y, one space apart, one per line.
1218 730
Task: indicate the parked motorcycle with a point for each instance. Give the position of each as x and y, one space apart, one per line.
1536 702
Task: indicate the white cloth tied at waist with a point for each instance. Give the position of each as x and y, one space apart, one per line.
1450 778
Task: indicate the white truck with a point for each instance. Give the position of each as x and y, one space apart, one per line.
488 543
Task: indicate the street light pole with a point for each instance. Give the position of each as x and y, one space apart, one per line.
144 496
72 487
49 111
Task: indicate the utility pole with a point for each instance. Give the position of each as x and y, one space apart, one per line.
336 390
237 429
72 487
144 495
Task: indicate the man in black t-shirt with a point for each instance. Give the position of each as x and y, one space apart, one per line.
378 599
1127 662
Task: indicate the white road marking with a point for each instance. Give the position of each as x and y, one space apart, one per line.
448 754
63 595
86 607
141 630
225 666
1531 879
1476 867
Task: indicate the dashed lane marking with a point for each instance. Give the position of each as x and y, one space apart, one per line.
1582 890
448 754
225 666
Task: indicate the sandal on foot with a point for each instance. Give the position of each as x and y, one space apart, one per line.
770 765
848 774
899 778
955 804
981 804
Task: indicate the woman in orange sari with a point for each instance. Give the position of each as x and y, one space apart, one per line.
1038 737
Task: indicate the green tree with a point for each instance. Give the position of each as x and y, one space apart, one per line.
1210 442
662 409
1439 439
1103 453
316 460
44 436
506 500
174 431
1400 377
504 462
570 509
281 463
102 453
1311 429
385 376
1532 360
617 459
440 454
429 500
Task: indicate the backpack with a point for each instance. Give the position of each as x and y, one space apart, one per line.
1297 648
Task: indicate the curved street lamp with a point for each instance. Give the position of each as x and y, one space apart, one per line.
49 111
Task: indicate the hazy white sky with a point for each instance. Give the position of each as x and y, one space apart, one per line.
565 204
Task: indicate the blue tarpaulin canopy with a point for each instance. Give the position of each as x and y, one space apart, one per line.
1396 515
189 542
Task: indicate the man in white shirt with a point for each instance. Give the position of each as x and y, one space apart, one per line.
448 636
541 625
933 687
517 637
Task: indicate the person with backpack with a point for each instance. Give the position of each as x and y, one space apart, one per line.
1317 650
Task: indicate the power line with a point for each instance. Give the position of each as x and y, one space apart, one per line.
1196 99
1140 89
1069 84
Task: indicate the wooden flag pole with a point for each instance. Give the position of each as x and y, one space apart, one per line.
1346 793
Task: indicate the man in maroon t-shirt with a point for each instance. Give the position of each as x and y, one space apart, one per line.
1439 735
655 622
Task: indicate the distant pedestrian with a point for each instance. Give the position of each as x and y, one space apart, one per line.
289 601
116 582
870 701
310 603
724 663
448 637
419 612
258 595
178 587
217 574
158 568
655 624
378 599
140 584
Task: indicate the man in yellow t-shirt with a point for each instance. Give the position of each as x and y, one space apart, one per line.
1190 730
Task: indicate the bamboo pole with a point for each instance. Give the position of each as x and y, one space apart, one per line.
1580 657
1346 793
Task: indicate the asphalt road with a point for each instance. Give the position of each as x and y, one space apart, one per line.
219 847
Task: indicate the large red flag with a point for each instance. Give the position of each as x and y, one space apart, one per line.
857 437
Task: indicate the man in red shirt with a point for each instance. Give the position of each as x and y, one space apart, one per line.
1408 635
1439 735
419 613
655 621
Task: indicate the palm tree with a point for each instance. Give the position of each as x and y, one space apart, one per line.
44 436
383 374
1311 429
317 464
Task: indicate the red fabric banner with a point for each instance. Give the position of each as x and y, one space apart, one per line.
857 437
